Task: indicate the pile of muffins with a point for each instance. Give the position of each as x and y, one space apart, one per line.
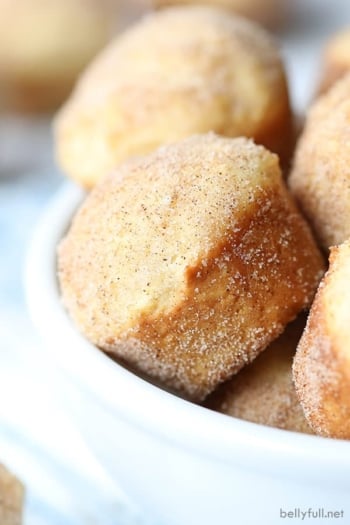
199 249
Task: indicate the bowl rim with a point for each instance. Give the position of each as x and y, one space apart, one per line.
191 426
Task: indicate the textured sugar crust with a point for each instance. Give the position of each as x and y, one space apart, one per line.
11 498
322 363
263 392
320 179
336 60
178 72
180 253
38 67
269 12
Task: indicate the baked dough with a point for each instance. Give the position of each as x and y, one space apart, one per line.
263 392
44 45
188 262
11 498
267 12
336 59
178 72
322 361
320 179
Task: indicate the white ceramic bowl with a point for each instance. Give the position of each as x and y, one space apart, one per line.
181 463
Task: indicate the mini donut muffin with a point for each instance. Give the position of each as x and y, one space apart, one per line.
178 72
180 253
11 498
336 60
267 12
320 179
44 45
322 361
263 392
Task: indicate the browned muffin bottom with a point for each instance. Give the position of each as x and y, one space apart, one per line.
188 262
263 392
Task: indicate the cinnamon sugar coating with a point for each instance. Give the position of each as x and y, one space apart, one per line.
11 498
322 361
178 72
188 262
320 179
263 392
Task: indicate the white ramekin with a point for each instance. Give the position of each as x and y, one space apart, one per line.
181 463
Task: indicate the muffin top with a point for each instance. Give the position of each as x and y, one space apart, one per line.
177 72
148 231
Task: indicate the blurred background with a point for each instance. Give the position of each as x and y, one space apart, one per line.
44 45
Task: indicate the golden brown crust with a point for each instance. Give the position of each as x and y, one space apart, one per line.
11 498
320 179
178 72
322 362
38 64
184 251
336 60
263 392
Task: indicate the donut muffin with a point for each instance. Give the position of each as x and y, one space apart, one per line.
178 72
188 262
44 45
267 12
263 392
336 59
322 361
11 498
320 179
